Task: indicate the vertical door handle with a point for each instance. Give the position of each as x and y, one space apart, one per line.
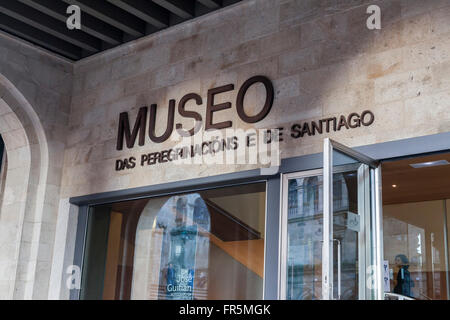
339 268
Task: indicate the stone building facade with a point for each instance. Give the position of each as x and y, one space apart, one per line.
59 119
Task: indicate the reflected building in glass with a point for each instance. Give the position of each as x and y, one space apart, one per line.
305 234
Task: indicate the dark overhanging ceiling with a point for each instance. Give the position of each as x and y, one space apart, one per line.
104 23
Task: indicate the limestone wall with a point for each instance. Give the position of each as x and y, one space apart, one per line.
35 93
322 58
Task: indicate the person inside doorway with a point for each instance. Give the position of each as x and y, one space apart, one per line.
404 282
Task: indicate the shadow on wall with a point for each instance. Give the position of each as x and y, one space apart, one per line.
325 62
344 67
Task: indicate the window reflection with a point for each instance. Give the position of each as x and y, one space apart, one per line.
305 234
204 245
181 235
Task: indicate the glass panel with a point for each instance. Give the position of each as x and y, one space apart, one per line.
346 227
416 227
353 229
415 249
304 253
203 245
305 234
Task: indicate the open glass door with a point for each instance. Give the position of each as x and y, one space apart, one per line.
352 246
331 229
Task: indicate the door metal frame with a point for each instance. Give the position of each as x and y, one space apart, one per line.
331 145
377 225
373 230
363 235
327 248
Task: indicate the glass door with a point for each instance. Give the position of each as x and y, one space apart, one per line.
301 261
330 228
352 246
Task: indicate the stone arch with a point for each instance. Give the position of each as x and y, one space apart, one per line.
22 207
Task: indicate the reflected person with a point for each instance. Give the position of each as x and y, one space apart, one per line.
404 282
